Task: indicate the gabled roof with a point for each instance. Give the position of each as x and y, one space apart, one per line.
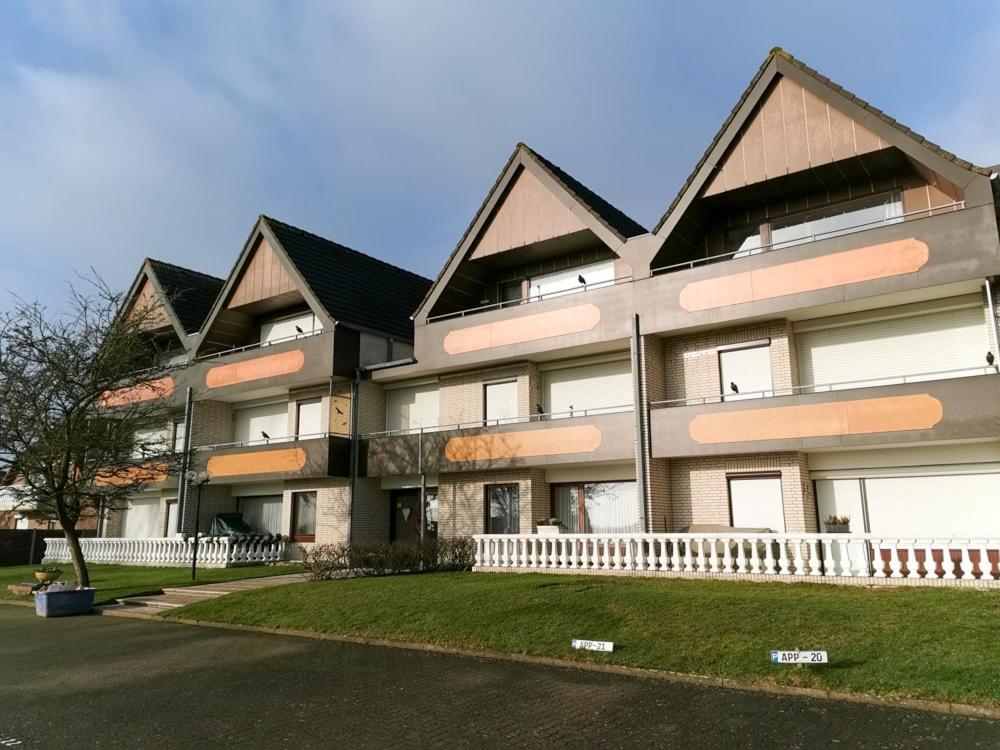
779 62
354 288
190 293
609 223
185 295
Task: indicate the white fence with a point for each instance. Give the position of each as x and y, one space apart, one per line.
213 552
803 556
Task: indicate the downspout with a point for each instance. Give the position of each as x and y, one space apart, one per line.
182 485
993 321
639 401
423 482
355 437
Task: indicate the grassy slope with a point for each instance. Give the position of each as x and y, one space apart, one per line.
938 644
115 581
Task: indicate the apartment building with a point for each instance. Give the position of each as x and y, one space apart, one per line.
269 356
808 332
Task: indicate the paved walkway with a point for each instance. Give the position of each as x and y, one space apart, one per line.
181 595
109 683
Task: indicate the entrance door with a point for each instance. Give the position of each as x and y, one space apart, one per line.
405 516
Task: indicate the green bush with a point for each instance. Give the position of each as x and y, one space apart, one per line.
326 561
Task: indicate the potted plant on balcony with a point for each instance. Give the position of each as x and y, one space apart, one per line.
549 526
838 524
47 574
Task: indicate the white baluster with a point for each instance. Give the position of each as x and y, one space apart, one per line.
675 554
985 566
742 558
783 562
878 564
947 564
966 563
798 559
727 556
814 557
895 563
688 555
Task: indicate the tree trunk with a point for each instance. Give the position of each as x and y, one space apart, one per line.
73 542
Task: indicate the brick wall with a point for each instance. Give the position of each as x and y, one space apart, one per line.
332 507
699 488
371 407
691 365
461 500
212 423
370 511
652 350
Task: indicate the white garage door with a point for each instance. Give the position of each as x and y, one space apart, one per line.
961 505
756 503
142 519
591 388
887 349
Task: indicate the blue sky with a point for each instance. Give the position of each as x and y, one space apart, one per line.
162 129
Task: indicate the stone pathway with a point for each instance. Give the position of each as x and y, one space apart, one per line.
147 606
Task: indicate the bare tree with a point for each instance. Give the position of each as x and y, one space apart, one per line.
82 407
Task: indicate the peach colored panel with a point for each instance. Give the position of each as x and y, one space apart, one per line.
890 414
159 388
523 444
256 369
144 474
526 328
837 269
260 462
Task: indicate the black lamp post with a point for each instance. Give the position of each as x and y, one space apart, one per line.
199 479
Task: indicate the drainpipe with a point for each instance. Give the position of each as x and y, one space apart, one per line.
639 402
993 321
355 436
182 486
423 482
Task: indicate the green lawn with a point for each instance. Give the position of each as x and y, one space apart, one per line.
115 581
936 644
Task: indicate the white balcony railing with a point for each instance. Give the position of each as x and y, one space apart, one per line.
213 552
923 377
803 556
482 423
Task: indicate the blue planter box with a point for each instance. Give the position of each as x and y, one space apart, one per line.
63 603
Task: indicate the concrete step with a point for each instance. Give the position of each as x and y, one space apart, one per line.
192 591
165 601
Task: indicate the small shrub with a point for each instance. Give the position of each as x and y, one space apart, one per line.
326 561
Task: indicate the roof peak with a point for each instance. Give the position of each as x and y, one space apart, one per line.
156 261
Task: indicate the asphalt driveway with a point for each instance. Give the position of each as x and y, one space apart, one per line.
110 682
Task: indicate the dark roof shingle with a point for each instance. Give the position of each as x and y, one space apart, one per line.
190 293
353 287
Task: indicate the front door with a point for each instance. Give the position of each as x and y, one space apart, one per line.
406 516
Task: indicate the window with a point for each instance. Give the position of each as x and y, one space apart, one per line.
431 524
818 224
581 389
755 503
412 408
304 516
179 434
503 515
597 507
152 441
567 281
501 402
511 291
263 513
171 527
745 371
263 423
309 420
289 327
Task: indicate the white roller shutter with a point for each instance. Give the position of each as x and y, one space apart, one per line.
142 518
253 421
749 369
756 503
886 350
841 498
412 408
593 388
501 402
960 506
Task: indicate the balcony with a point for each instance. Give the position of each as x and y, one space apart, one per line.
957 405
606 434
304 457
286 363
958 246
